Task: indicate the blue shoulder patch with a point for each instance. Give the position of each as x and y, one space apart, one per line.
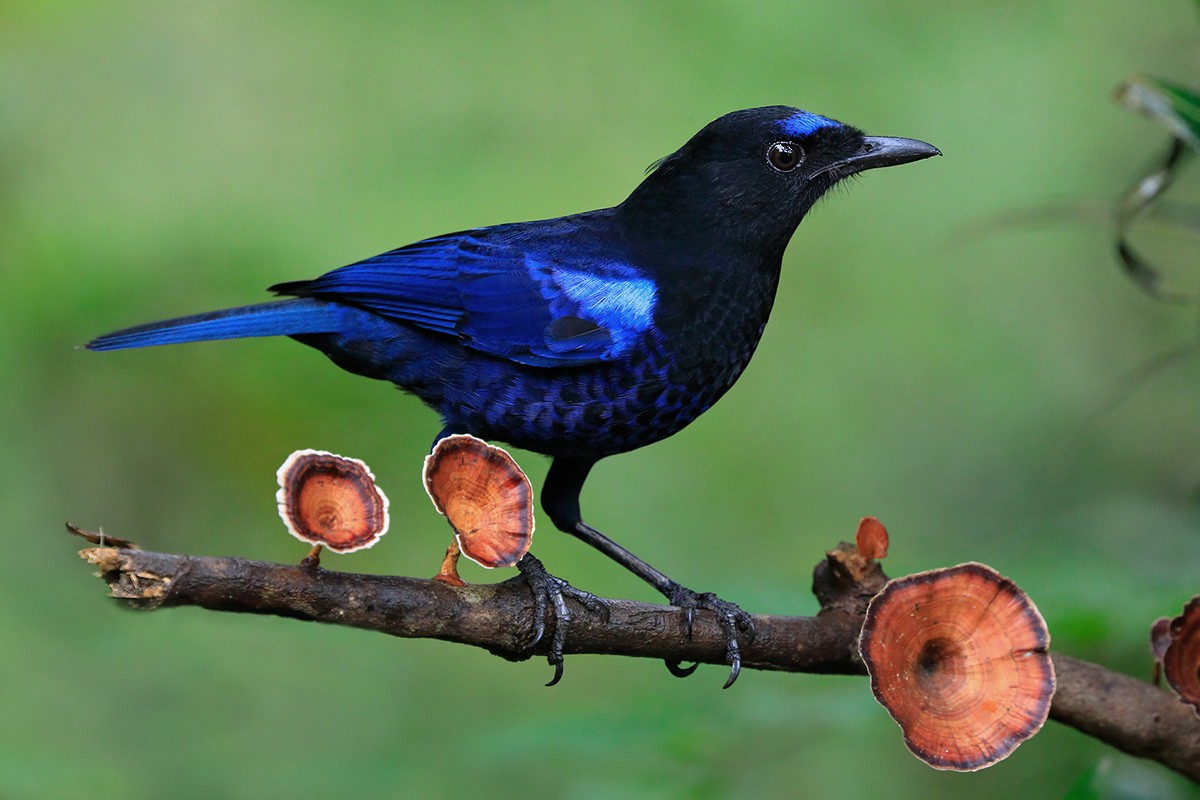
614 296
804 123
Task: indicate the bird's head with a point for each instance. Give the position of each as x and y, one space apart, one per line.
756 172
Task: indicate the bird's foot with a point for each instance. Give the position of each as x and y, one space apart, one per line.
730 617
549 590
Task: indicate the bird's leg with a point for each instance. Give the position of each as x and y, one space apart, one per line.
548 589
560 499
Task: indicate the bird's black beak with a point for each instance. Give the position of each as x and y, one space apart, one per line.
883 151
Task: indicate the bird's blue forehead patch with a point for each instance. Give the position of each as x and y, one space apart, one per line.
804 123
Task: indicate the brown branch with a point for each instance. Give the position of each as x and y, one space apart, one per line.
1130 715
1133 716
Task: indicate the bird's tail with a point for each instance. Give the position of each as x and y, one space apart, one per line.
279 318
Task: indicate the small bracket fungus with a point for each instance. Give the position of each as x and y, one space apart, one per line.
1181 662
331 501
958 657
850 574
1160 640
871 539
485 497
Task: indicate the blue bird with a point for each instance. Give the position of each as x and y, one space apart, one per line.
586 335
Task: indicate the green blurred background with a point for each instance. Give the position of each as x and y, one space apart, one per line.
952 350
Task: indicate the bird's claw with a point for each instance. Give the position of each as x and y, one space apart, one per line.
677 669
547 590
730 617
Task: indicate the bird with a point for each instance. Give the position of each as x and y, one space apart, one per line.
586 335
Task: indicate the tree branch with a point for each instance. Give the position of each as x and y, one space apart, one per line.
1130 715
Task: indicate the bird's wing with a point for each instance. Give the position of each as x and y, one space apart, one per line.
535 299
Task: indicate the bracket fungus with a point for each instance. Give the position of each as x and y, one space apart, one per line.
958 657
850 574
1181 661
1160 640
330 501
486 498
871 539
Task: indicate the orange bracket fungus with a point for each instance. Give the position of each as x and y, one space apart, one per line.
871 539
1181 662
1160 640
850 574
485 497
330 501
958 657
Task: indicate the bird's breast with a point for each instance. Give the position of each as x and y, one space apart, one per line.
711 323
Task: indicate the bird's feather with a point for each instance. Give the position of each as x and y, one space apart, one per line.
508 291
286 318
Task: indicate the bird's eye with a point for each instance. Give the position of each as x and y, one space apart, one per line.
784 156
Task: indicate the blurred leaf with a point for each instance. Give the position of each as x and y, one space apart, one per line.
1178 110
1140 198
1174 107
1185 216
